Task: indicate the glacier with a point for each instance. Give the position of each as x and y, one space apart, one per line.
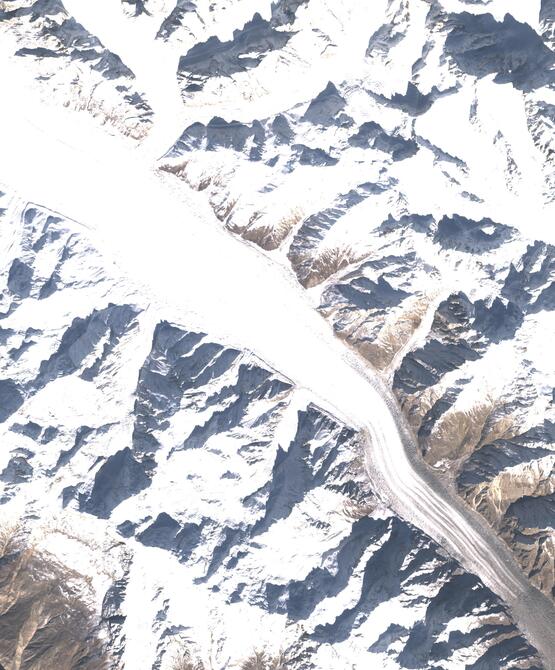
180 417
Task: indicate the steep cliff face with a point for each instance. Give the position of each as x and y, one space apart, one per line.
208 501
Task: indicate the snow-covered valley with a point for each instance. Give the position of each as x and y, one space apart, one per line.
183 426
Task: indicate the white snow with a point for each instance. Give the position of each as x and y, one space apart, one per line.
166 238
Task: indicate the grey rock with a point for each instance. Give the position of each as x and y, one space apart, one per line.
118 478
480 45
11 398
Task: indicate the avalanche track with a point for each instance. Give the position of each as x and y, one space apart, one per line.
166 237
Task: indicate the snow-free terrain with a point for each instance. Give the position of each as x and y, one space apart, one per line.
181 425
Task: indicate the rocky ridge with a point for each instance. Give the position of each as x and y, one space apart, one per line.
72 67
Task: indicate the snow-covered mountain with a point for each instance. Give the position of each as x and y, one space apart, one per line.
412 195
210 500
178 432
71 65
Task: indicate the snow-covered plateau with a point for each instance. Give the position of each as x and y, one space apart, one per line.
277 313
